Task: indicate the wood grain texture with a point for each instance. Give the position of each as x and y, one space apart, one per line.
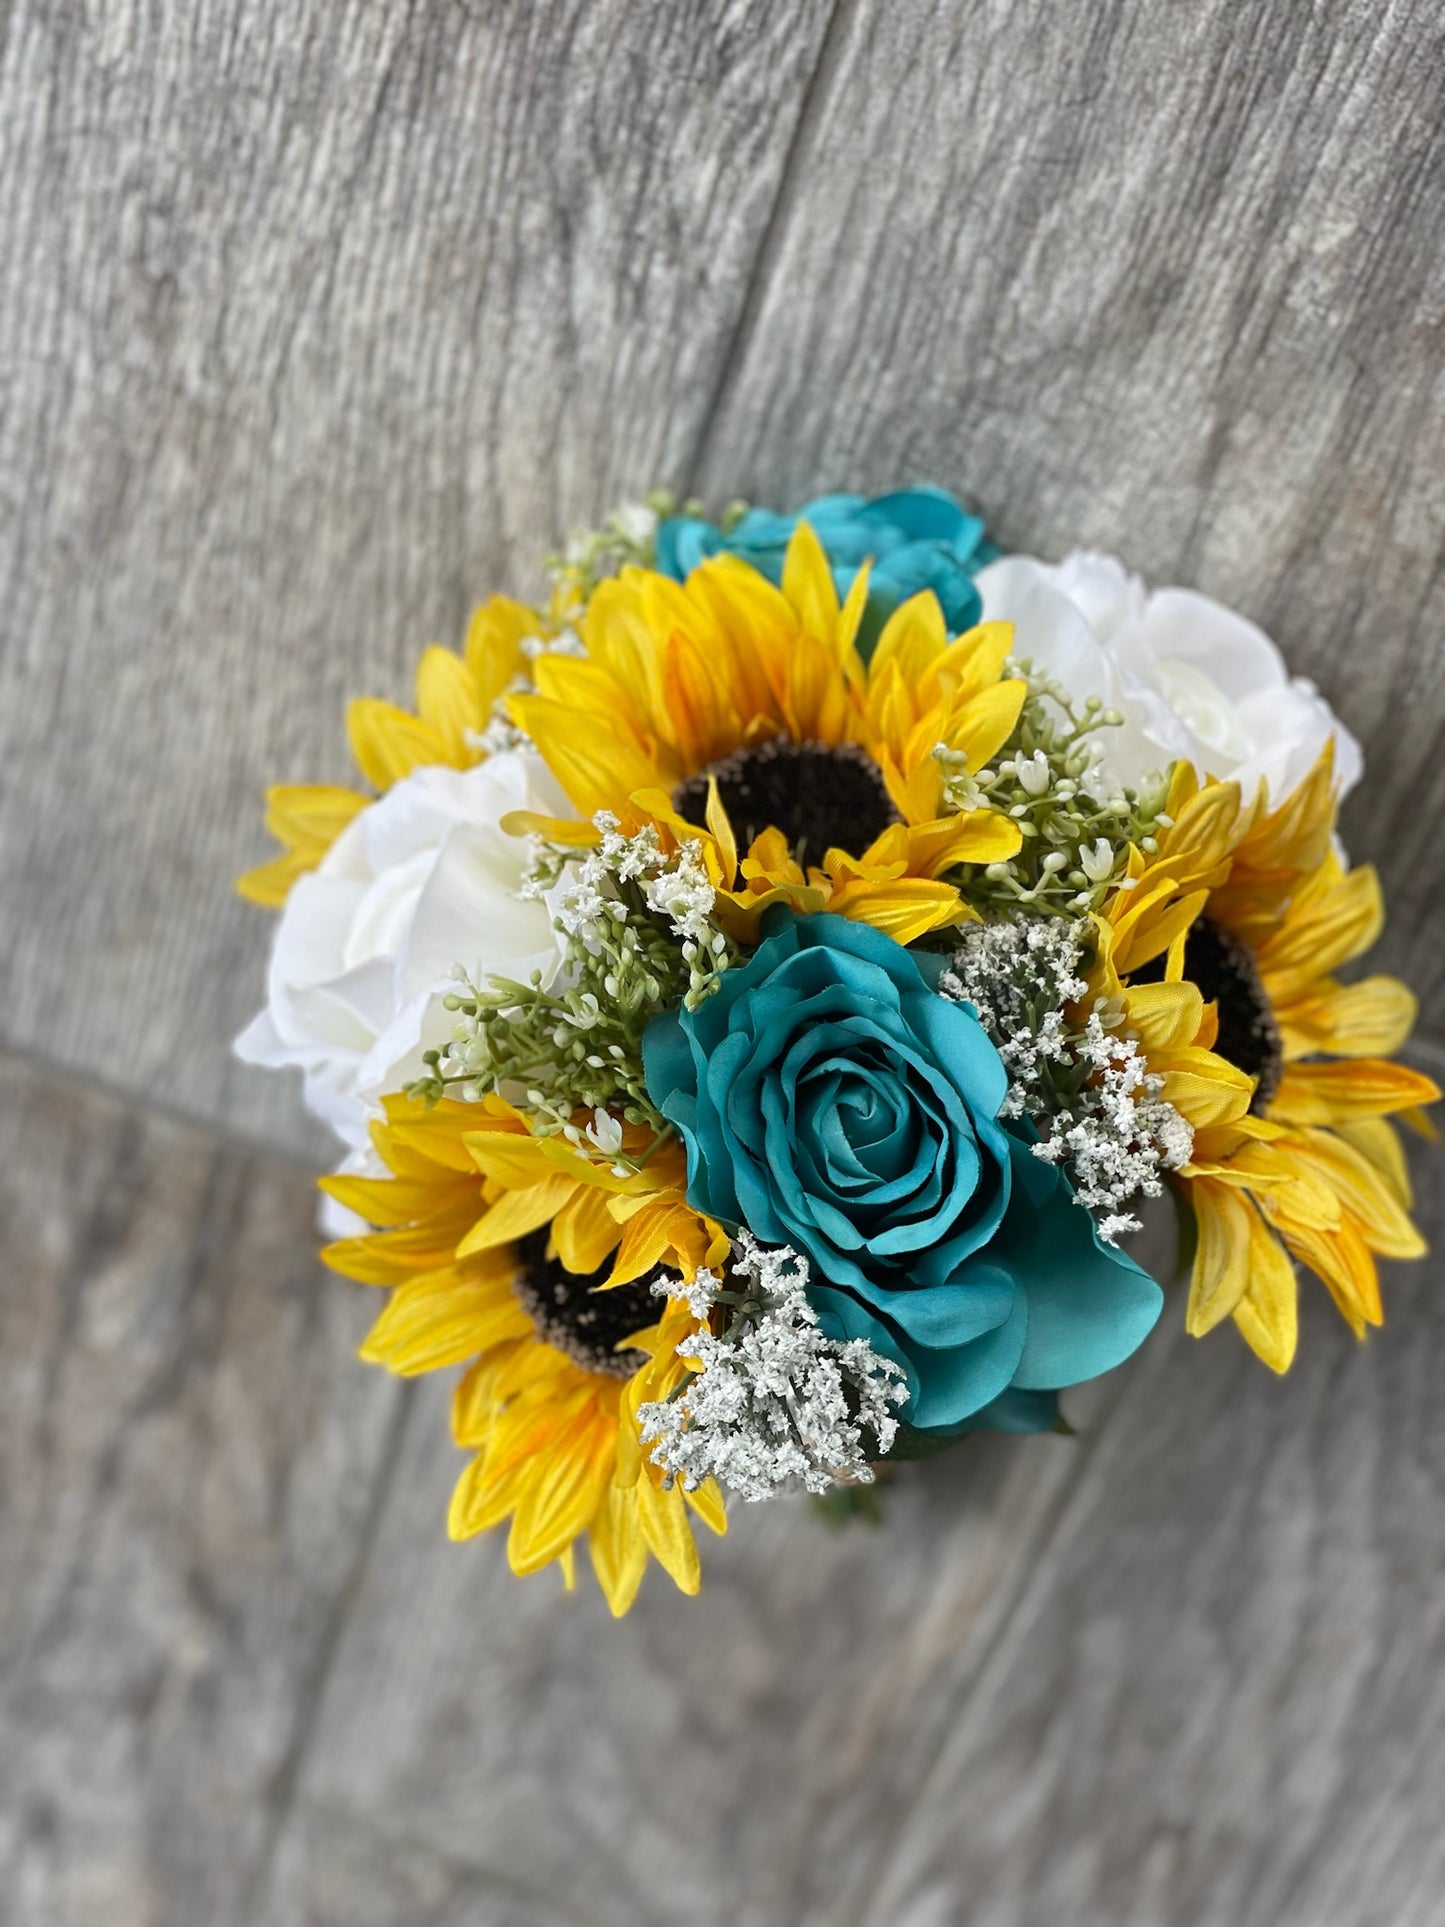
1221 1698
700 1760
1158 280
320 323
245 1678
190 1462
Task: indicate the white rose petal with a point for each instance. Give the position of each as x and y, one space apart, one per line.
1191 678
366 946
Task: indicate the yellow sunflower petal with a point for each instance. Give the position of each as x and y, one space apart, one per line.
596 772
707 1502
1325 928
387 743
446 695
441 1318
1341 1260
1371 1018
904 909
808 583
1163 1015
1367 1193
982 725
1268 1313
306 818
1221 1255
618 1548
515 1214
559 1501
1378 1141
1327 1093
480 1501
663 1518
584 1231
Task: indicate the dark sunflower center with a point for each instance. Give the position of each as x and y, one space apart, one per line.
1226 973
571 1313
821 796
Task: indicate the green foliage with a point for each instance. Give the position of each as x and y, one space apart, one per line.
1076 840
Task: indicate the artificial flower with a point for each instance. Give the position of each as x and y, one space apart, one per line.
521 1258
1190 678
739 715
831 1101
366 947
1283 1071
456 697
914 539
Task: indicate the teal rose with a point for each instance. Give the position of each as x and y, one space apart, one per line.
915 539
830 1099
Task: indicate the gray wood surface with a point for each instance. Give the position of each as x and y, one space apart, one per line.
319 324
191 1464
1184 1668
316 324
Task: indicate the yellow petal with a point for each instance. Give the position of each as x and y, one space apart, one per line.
1163 1014
446 695
808 584
904 909
981 726
663 1518
1268 1313
1221 1256
584 1231
307 818
1324 929
1367 1193
1371 1018
480 1502
618 1549
1378 1141
493 648
595 767
1327 1093
707 1503
387 743
440 1319
1341 1261
515 1214
558 1502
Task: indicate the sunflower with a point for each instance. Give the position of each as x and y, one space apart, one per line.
523 1258
456 696
1284 1072
741 716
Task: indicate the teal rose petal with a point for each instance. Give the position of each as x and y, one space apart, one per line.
1090 1305
831 1100
912 540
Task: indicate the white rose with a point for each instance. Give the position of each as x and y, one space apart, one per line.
366 946
1191 678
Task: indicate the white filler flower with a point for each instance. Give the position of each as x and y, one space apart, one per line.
367 945
1191 678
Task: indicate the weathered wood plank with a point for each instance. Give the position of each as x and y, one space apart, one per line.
319 324
1165 285
705 1759
1186 1671
1221 1699
190 1459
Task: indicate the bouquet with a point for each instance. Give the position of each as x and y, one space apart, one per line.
756 988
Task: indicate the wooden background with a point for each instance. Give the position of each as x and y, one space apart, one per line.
316 324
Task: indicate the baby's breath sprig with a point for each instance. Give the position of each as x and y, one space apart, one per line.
627 539
1085 1087
638 938
1077 830
770 1402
